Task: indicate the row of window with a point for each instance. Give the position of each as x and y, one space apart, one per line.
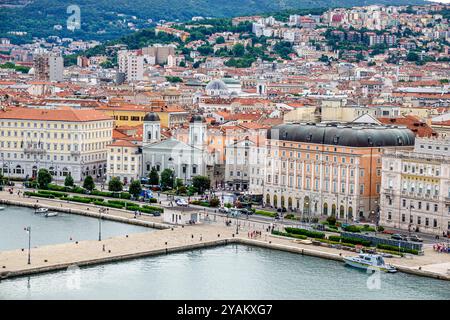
412 205
418 220
53 146
89 157
125 167
95 125
56 135
417 169
317 186
124 158
327 158
335 170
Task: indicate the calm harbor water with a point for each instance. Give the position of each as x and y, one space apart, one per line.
53 230
228 272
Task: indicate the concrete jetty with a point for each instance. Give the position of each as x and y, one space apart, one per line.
171 239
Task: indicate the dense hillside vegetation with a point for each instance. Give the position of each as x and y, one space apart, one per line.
106 19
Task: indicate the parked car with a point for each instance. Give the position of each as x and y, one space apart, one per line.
415 238
319 226
400 237
181 202
156 213
235 212
246 211
224 210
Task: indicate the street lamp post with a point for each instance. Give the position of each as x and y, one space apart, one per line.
237 224
28 229
410 222
100 226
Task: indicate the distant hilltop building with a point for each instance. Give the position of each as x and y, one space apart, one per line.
48 67
183 35
131 65
158 54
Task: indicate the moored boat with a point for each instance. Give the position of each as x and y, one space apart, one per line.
51 214
369 261
41 210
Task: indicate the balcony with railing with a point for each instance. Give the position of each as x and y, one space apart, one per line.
34 150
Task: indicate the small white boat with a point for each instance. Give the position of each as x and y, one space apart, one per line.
369 261
41 210
51 214
2 208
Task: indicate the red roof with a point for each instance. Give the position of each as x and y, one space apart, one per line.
61 114
420 128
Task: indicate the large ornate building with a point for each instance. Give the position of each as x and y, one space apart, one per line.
185 159
416 187
328 168
64 141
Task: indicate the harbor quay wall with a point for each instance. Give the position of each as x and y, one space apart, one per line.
203 245
115 258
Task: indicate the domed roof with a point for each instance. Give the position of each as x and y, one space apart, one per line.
197 118
152 116
350 135
216 85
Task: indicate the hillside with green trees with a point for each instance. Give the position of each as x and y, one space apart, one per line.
104 20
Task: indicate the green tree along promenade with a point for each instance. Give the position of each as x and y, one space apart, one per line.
115 185
44 178
135 188
154 177
88 183
167 179
68 181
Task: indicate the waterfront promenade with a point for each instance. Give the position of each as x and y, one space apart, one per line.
171 239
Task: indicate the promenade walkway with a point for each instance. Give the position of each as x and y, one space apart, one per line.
176 238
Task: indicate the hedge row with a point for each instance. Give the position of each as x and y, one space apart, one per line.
396 249
109 194
154 208
200 203
117 204
291 235
266 213
40 195
353 228
357 241
337 242
308 233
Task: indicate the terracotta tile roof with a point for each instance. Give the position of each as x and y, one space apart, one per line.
122 143
253 125
420 128
60 114
118 135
